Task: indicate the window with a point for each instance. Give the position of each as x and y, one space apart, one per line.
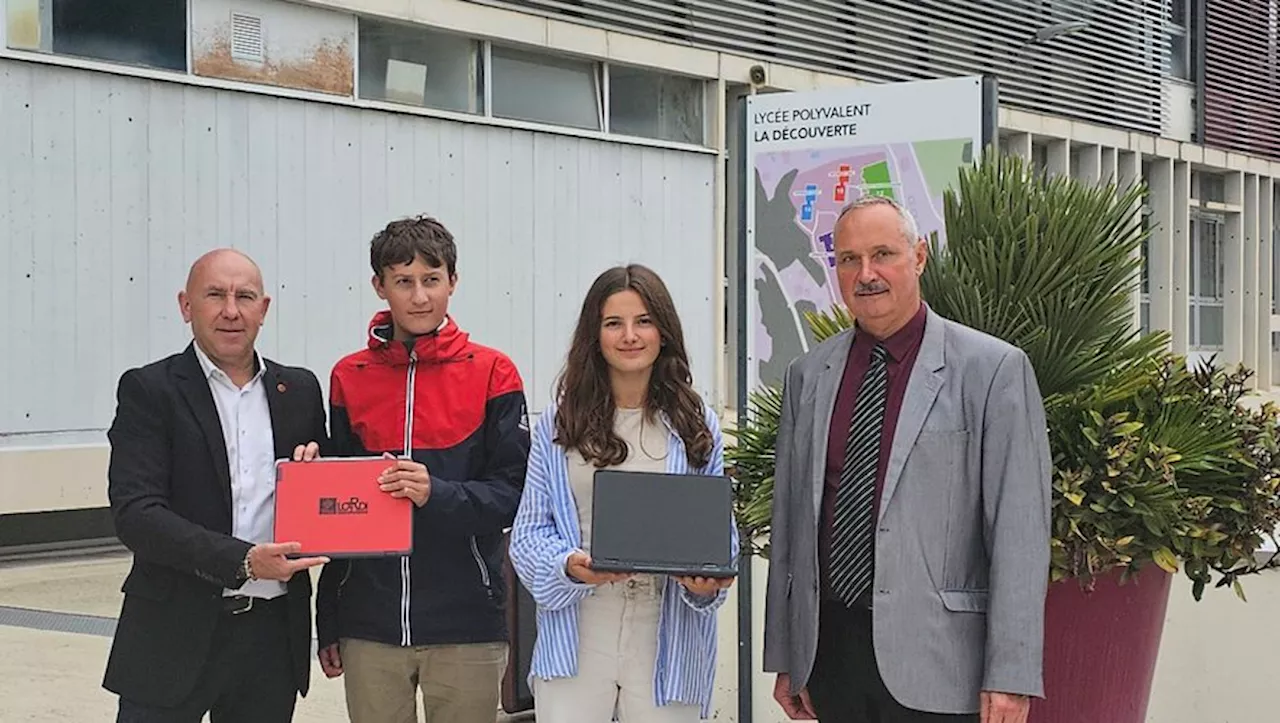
397 62
1144 305
410 65
152 33
1210 187
656 105
545 88
1146 257
1179 33
1275 264
1208 277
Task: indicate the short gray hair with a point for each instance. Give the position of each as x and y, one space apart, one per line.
910 231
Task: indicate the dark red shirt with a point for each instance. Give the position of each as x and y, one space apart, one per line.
902 347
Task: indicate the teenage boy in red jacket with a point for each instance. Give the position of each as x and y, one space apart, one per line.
452 414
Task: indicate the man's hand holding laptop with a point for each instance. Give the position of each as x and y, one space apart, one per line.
306 452
269 560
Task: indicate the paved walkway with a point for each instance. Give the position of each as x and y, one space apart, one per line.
56 619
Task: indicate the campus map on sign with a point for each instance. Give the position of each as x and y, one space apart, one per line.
809 155
799 194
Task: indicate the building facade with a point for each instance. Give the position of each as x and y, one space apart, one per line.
556 138
130 146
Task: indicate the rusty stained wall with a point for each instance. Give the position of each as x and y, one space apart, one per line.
302 47
113 185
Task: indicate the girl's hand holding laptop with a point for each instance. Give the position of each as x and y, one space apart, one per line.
705 586
578 566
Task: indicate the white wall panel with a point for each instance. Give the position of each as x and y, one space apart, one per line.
21 275
55 281
110 186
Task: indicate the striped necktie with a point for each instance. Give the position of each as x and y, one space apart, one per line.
853 536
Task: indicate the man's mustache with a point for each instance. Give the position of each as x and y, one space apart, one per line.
873 287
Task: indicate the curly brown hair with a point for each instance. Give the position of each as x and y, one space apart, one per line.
584 418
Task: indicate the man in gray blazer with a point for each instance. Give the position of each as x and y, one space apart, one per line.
910 545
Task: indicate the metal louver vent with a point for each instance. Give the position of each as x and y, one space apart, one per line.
246 37
1110 73
1241 89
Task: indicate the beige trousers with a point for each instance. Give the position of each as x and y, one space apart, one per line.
459 683
617 649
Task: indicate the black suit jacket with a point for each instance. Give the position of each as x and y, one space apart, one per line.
170 488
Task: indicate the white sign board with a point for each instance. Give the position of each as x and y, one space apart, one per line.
809 154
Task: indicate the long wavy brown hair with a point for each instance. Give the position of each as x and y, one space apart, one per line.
584 418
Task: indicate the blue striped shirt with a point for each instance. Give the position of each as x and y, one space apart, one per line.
546 532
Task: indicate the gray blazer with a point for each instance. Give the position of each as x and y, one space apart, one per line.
962 544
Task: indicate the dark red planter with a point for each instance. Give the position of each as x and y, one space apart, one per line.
1100 649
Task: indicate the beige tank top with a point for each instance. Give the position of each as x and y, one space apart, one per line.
646 452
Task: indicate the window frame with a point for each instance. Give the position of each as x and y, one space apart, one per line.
1177 33
704 103
482 64
1196 298
46 29
599 84
477 77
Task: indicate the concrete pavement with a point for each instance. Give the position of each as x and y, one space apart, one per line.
54 676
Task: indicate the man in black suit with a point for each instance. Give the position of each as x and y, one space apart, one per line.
215 618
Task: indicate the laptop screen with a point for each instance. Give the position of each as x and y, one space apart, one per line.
661 518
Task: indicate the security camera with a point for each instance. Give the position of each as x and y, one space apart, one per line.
757 75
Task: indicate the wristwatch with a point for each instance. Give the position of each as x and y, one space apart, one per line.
245 572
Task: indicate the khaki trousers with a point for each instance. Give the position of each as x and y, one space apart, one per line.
459 683
617 651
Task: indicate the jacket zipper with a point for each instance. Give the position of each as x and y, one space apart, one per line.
406 633
484 571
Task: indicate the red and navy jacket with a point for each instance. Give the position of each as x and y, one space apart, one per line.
458 408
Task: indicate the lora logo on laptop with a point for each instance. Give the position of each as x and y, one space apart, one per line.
331 507
352 506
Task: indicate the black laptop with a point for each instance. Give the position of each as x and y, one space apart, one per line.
662 523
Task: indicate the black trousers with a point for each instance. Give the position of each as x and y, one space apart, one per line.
846 686
248 677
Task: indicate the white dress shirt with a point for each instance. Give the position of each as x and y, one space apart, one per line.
246 429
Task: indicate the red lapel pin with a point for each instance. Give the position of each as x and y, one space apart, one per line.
281 387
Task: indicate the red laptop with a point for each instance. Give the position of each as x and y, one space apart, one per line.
334 508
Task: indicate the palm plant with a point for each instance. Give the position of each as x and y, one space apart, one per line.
1047 264
751 461
1152 462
